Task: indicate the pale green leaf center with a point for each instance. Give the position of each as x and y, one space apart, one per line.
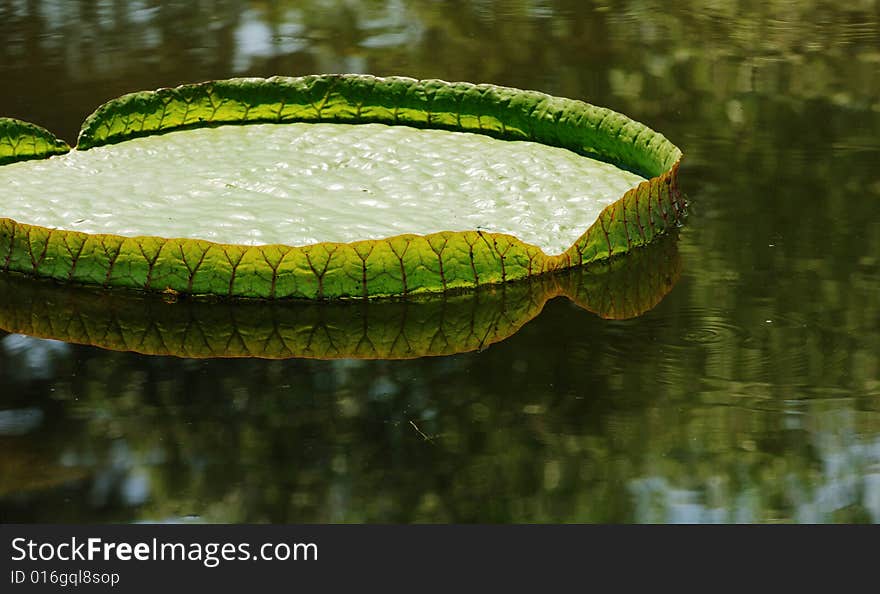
299 184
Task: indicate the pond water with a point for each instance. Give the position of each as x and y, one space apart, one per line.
748 392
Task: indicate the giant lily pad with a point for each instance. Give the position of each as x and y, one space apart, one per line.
339 186
426 325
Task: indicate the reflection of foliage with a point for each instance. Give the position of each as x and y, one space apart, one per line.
806 50
22 469
482 437
750 392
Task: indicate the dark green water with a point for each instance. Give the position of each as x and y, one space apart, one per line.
751 392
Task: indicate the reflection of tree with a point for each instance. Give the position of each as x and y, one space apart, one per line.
509 437
481 437
726 54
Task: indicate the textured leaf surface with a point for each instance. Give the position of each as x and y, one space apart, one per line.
402 265
387 329
303 183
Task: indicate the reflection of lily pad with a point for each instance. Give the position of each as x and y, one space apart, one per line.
393 329
256 226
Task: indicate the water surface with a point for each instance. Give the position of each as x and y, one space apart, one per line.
751 392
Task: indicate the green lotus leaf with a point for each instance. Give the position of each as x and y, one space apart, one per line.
21 141
339 186
401 328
